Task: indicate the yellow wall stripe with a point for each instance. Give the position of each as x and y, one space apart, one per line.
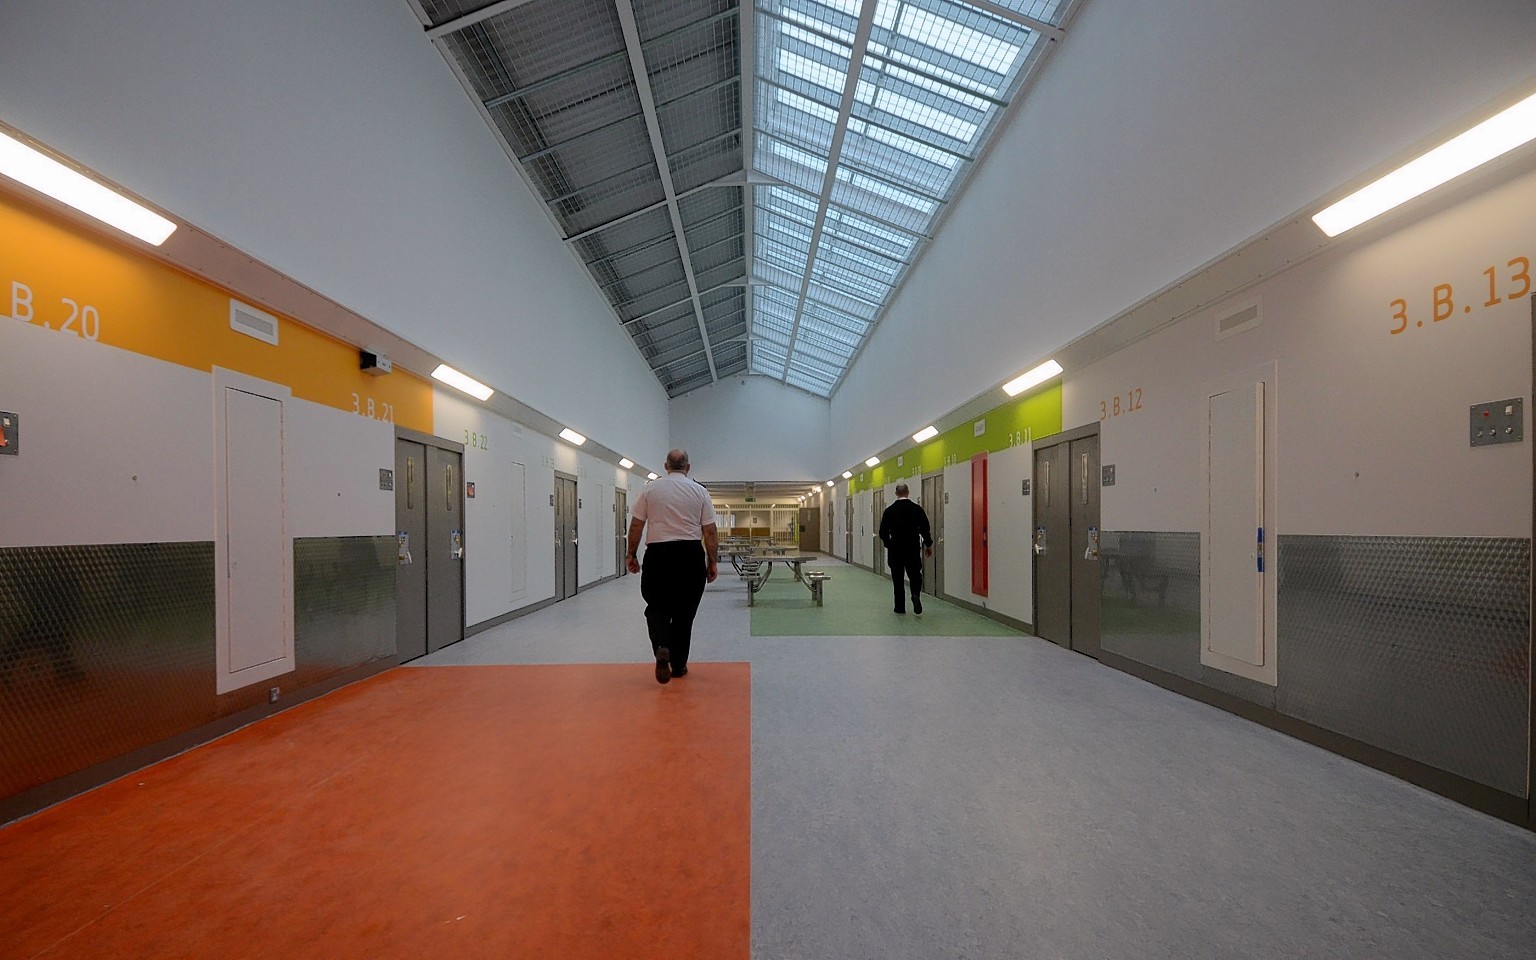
56 274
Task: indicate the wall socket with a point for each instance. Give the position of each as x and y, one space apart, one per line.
273 694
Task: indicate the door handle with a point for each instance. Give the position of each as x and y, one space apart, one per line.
1039 540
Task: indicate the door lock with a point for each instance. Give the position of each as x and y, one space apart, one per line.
1039 540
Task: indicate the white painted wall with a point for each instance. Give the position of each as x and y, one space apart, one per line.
752 428
1010 559
333 463
115 447
332 141
493 444
1372 428
1161 135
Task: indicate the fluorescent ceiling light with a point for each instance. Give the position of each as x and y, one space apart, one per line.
927 433
44 174
650 476
847 474
1492 138
626 463
1037 376
456 379
871 461
829 483
566 433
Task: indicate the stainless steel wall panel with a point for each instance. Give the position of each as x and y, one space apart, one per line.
109 649
103 650
1151 608
1417 645
343 605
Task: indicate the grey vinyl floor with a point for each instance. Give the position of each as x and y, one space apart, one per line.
1000 797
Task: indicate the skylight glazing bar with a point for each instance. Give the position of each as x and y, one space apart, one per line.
648 104
850 90
1048 30
746 43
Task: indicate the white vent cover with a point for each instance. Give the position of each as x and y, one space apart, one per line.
246 319
1244 319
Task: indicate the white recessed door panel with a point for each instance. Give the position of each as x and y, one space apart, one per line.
1234 621
253 553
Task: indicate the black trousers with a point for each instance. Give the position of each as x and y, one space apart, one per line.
672 583
910 566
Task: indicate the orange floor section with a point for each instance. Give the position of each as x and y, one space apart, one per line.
519 811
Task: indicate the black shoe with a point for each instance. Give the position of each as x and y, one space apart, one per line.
901 610
680 671
917 605
663 669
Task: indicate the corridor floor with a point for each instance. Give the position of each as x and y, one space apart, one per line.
532 791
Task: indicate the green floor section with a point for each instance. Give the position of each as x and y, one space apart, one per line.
858 604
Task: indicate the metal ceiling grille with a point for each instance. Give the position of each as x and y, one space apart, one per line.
633 122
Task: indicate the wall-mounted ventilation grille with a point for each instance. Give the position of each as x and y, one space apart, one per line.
246 319
1244 319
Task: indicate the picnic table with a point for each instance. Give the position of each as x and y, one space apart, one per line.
755 570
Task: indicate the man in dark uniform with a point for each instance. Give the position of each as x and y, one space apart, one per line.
904 531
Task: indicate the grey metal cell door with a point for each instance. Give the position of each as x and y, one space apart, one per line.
933 505
1087 585
443 491
621 525
565 536
848 530
1052 539
411 565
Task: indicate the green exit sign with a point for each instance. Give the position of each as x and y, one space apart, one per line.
750 499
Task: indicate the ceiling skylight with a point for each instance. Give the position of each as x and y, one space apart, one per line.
747 184
870 114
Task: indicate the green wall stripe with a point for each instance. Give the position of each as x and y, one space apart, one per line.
1036 414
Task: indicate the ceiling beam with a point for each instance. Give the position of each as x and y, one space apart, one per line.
626 13
834 154
1048 30
729 180
470 19
746 36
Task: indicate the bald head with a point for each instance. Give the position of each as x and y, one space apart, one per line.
902 490
677 459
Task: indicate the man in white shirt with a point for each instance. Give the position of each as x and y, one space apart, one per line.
681 555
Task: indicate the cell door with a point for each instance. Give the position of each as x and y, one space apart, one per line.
621 526
1087 583
1053 545
848 530
411 562
933 505
565 536
443 492
877 510
810 529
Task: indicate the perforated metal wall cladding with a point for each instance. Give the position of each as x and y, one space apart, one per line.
557 82
1417 645
108 649
103 650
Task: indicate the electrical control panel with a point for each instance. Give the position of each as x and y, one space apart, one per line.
1502 421
10 434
